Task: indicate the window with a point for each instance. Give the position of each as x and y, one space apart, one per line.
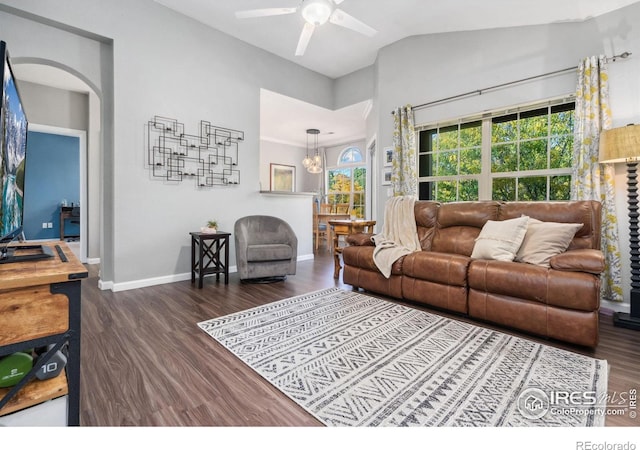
350 155
347 182
524 156
450 162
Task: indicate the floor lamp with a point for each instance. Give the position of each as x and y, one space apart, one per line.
616 145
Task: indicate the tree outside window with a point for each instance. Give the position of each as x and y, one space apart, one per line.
347 182
529 153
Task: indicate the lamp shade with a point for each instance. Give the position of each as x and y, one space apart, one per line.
620 144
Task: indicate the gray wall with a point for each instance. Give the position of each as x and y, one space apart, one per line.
279 153
354 88
191 74
56 107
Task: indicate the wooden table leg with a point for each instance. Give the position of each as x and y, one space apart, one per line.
336 262
336 254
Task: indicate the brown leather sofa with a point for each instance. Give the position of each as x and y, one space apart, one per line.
560 302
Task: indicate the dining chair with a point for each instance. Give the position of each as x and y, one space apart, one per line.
320 227
342 208
326 208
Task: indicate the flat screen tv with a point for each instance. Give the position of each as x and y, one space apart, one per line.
13 147
13 150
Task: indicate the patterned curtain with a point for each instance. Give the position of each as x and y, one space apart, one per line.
404 176
590 179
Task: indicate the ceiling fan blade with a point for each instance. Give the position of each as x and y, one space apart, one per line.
341 18
305 36
337 2
248 14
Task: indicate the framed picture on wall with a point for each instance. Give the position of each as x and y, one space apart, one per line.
386 176
283 178
388 156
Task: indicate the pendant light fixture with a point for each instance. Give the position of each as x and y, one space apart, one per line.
313 164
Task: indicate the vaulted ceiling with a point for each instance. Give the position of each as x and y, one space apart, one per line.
335 51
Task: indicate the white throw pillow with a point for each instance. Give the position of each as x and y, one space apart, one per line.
500 239
544 240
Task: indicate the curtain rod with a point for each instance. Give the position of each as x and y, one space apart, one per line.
623 55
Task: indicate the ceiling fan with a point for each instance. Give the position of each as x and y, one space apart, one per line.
315 13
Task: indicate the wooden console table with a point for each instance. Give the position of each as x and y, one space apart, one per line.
345 227
40 306
206 258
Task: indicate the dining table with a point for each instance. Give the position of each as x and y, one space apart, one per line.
345 227
324 218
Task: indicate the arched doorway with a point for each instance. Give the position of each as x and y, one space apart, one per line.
60 103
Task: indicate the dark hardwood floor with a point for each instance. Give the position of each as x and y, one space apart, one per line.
146 363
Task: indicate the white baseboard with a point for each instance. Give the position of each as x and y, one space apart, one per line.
92 261
127 285
615 306
136 284
305 257
105 285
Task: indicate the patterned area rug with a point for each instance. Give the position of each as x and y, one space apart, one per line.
354 360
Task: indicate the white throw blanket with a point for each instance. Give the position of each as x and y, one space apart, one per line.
399 235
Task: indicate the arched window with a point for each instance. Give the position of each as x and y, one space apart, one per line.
350 155
347 182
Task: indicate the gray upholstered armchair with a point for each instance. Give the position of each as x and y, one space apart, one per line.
266 248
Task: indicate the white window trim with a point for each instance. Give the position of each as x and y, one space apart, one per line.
485 177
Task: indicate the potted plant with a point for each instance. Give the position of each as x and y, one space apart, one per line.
212 227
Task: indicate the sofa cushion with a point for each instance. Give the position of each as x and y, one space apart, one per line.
269 252
442 268
426 213
362 258
587 212
544 240
500 239
459 224
581 260
573 290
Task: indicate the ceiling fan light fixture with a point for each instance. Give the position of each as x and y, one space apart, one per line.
317 12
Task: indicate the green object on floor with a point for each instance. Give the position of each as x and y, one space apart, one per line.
13 368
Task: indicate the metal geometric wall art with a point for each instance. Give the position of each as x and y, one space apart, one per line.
210 157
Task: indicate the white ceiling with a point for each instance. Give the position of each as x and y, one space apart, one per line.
335 51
